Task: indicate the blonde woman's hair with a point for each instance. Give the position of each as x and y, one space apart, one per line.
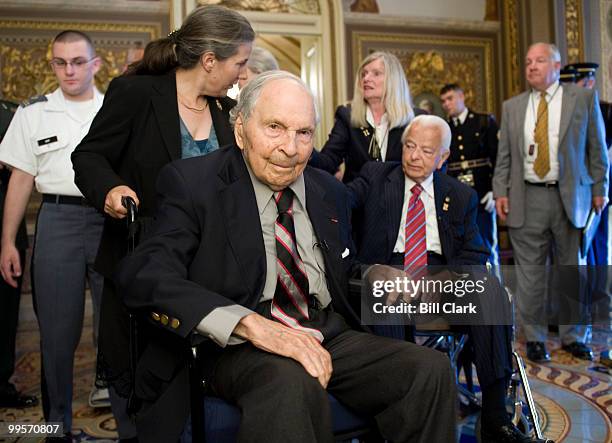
396 93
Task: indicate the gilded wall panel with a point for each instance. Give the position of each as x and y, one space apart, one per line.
282 6
573 31
432 60
25 51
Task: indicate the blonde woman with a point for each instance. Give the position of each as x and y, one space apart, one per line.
370 127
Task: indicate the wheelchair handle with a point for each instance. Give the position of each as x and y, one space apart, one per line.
132 210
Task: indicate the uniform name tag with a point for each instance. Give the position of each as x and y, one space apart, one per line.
46 141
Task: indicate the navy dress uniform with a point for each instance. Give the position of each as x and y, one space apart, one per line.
44 132
472 158
9 296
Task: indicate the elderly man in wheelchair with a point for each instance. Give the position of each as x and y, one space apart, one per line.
417 227
249 257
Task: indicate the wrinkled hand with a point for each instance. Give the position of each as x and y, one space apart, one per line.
488 201
278 339
599 203
10 264
502 204
112 203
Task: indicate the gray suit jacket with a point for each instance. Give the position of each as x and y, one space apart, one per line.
583 157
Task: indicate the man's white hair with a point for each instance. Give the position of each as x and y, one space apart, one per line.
432 121
555 55
251 92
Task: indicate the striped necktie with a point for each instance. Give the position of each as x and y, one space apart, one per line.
290 302
541 166
415 250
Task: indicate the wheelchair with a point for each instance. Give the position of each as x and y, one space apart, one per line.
215 420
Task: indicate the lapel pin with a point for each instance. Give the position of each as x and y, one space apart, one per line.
445 207
219 105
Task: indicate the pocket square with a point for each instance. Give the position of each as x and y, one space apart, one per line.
346 253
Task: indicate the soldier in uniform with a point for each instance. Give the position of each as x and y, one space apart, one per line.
472 158
9 295
37 146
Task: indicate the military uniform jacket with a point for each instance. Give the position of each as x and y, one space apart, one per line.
41 137
474 139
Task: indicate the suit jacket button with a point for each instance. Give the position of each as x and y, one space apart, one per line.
155 316
175 323
164 319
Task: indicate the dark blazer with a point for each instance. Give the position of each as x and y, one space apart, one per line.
350 144
475 139
135 133
206 250
379 192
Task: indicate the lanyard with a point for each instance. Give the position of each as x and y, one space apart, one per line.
532 101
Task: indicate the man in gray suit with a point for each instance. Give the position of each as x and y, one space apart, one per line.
552 169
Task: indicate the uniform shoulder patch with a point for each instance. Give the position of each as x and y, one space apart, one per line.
32 100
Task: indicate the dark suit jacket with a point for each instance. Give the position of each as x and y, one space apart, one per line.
379 192
206 250
350 144
475 139
135 133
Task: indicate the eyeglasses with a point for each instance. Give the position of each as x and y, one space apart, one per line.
76 63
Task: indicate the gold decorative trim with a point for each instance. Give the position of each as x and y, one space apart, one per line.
477 42
154 30
286 7
511 46
574 33
24 61
332 47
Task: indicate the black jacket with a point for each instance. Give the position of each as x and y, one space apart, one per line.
379 192
135 133
350 144
206 250
475 139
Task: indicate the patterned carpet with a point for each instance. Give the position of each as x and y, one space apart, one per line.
574 400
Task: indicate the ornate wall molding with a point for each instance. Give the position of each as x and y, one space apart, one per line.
574 33
606 49
279 6
25 52
510 30
432 57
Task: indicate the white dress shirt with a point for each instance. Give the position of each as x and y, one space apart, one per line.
460 119
554 95
42 136
432 236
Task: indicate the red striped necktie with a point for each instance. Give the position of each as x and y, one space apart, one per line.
415 250
290 302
